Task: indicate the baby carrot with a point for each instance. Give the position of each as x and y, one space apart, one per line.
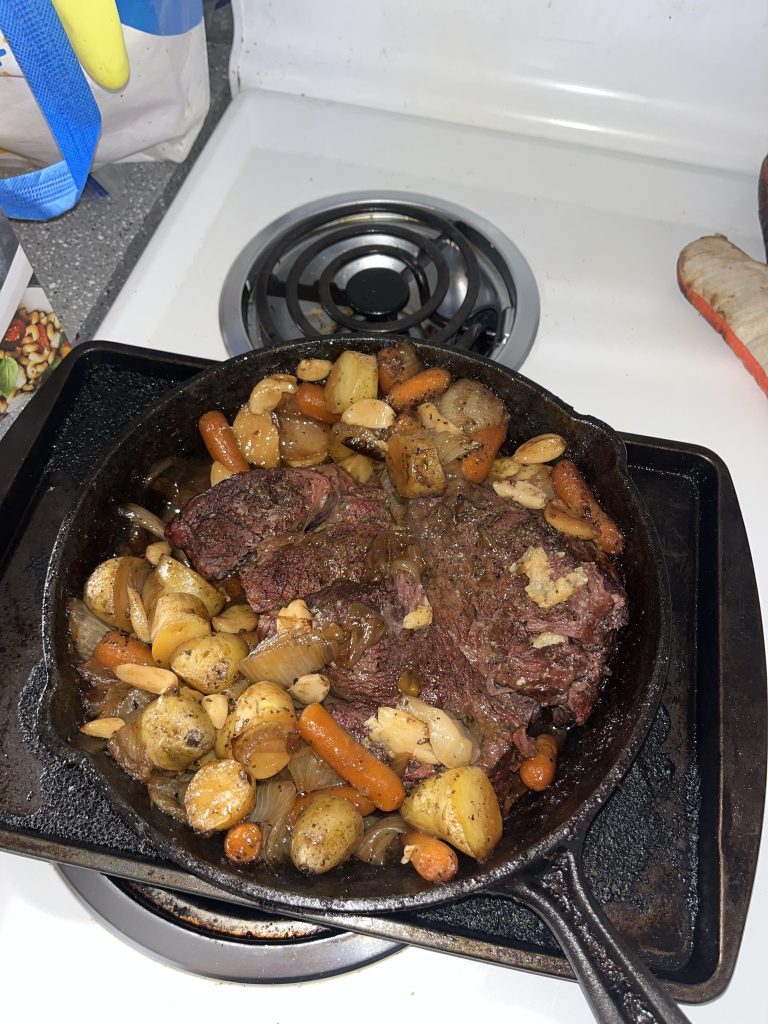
116 648
433 859
242 843
571 487
310 401
476 465
350 759
221 442
538 772
422 388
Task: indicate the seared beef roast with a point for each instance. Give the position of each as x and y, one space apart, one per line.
493 655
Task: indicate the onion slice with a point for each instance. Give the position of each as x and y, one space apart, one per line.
283 657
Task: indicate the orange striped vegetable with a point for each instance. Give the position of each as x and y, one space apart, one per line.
476 465
571 487
116 648
424 386
349 759
433 859
310 401
221 442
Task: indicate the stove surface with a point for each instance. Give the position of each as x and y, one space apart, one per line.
382 263
601 231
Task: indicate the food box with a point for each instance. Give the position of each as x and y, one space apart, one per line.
32 339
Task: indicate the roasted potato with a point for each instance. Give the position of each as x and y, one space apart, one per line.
413 465
219 795
173 577
261 702
265 748
177 619
325 834
459 806
106 589
209 663
354 376
175 731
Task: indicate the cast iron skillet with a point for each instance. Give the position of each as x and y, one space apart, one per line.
538 860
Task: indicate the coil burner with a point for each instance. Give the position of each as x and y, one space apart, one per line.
388 263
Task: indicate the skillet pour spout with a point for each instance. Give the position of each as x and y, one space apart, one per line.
597 754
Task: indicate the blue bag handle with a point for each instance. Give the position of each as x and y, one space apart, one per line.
54 75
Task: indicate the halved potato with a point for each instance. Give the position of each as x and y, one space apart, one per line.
257 438
325 834
209 663
354 376
177 619
173 577
219 795
262 702
458 806
106 589
175 731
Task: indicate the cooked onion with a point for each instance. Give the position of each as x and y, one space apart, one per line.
471 406
129 752
310 772
379 839
273 810
273 799
167 793
85 629
283 657
391 551
361 629
140 516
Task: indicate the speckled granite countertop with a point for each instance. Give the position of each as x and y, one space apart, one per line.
84 257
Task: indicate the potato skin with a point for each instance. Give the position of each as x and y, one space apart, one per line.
459 806
219 796
209 663
175 732
99 592
325 834
261 702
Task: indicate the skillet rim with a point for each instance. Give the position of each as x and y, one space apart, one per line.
569 830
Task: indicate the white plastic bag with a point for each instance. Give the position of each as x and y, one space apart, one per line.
155 117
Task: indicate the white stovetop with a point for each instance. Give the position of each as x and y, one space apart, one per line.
602 232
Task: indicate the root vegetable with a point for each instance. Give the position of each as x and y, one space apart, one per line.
219 796
175 732
433 859
177 619
242 843
209 664
476 465
118 649
173 577
571 488
397 363
422 388
310 401
458 806
354 376
325 834
350 759
221 442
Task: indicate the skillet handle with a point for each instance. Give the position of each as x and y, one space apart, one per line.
618 986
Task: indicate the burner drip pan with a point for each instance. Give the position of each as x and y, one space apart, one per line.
224 941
